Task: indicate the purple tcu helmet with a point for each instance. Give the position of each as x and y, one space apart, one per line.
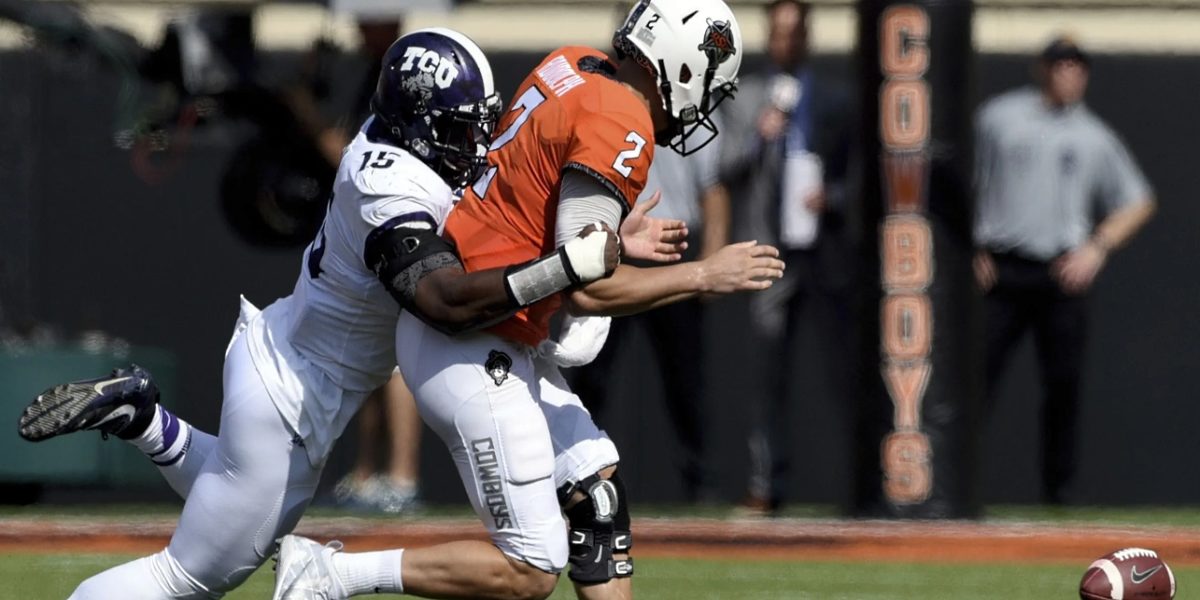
436 99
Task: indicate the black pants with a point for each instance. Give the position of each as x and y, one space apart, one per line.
676 334
818 281
1026 297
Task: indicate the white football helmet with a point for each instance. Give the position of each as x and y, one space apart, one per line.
694 48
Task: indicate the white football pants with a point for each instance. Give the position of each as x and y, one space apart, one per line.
514 429
243 490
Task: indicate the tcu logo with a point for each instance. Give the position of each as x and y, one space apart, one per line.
428 61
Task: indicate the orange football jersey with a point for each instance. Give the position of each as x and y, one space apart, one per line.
568 114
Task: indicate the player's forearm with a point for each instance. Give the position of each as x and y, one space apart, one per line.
1118 228
633 289
455 302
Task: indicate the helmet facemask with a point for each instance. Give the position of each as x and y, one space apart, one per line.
460 137
693 119
687 48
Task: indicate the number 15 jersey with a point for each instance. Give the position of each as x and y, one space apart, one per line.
569 114
326 346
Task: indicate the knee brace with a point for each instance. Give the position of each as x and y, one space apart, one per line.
599 527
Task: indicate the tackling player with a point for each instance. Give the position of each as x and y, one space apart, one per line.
574 147
296 372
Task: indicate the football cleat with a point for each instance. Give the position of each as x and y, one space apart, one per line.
304 570
120 404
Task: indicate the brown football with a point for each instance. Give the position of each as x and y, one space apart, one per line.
1129 574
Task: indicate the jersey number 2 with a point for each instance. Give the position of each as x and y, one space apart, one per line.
626 155
531 99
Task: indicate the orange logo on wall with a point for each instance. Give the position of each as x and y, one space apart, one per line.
906 250
905 177
907 253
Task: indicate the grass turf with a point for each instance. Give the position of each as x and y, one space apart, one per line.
48 576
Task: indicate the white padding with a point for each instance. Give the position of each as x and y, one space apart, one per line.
580 341
587 255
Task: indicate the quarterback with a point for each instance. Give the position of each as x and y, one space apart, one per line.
573 148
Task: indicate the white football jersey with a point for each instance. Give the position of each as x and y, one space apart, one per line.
336 331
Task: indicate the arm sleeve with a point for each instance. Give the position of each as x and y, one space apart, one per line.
402 252
582 200
383 214
1121 181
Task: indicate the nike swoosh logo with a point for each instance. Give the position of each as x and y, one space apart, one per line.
122 411
1139 578
99 387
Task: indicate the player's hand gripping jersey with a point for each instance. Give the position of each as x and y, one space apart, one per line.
568 114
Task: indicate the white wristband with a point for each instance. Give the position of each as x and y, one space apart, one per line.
534 281
579 261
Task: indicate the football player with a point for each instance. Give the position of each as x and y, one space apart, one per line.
573 148
297 371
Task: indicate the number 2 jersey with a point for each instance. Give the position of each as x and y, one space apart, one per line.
325 347
569 114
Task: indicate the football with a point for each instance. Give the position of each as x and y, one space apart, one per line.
1129 574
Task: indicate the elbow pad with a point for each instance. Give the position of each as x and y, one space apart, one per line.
404 250
579 261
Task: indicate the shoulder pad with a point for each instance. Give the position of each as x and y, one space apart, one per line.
394 172
384 170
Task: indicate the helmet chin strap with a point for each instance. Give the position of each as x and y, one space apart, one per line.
674 127
664 87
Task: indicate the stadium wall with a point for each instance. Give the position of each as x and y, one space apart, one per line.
158 265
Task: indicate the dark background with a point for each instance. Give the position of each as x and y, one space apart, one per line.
158 265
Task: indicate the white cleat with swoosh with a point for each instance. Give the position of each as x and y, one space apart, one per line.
304 570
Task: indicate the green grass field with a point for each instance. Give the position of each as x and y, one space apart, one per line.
52 577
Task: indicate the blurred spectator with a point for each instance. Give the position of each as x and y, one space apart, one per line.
689 193
387 421
1046 166
786 159
48 29
377 33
